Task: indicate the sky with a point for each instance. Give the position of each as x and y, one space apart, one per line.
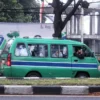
86 18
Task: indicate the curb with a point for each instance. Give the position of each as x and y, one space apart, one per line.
47 90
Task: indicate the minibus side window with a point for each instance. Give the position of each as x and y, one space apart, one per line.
21 50
83 50
59 51
38 50
87 52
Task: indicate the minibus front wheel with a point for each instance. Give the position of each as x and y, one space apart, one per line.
82 75
33 74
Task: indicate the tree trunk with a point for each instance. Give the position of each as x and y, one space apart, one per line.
58 10
57 18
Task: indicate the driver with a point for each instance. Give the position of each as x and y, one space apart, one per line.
80 53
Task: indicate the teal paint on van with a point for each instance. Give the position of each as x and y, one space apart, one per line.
71 66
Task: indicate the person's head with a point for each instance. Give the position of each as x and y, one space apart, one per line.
20 46
80 51
64 50
57 53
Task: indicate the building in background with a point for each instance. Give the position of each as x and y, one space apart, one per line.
27 29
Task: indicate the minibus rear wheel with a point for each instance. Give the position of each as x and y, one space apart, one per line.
82 75
33 74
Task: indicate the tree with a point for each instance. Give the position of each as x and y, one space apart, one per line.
19 11
31 7
2 18
59 8
10 35
10 12
13 34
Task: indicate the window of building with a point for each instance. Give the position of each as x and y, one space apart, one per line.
59 51
38 50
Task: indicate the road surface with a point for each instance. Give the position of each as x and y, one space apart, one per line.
47 97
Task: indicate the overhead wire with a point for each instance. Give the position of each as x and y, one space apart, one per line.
33 10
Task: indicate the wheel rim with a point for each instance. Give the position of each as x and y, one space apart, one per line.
82 76
33 75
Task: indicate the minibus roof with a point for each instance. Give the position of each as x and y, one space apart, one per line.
42 40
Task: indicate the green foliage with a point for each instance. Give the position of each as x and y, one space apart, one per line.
19 12
28 18
49 81
13 34
10 35
28 3
31 8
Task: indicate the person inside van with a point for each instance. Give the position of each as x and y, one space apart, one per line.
32 50
41 51
41 54
21 50
57 54
17 51
64 52
79 53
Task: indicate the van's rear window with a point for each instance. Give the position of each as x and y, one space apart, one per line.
1 40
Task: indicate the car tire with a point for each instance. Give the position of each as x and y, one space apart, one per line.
82 75
34 74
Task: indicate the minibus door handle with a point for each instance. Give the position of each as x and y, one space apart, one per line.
76 60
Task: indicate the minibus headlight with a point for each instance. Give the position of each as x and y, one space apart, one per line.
99 67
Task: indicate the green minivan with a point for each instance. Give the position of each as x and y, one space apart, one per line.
2 46
50 58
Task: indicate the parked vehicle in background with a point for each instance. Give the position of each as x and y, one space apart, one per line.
49 58
2 46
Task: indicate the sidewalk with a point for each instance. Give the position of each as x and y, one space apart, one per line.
47 90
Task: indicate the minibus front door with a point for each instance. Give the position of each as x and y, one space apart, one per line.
84 63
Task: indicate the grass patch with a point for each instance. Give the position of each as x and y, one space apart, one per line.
44 82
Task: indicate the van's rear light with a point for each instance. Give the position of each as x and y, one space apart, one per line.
8 63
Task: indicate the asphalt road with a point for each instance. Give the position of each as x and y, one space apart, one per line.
47 97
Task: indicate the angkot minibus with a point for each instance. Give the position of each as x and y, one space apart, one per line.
50 58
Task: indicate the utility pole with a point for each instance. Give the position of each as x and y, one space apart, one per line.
84 4
82 24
